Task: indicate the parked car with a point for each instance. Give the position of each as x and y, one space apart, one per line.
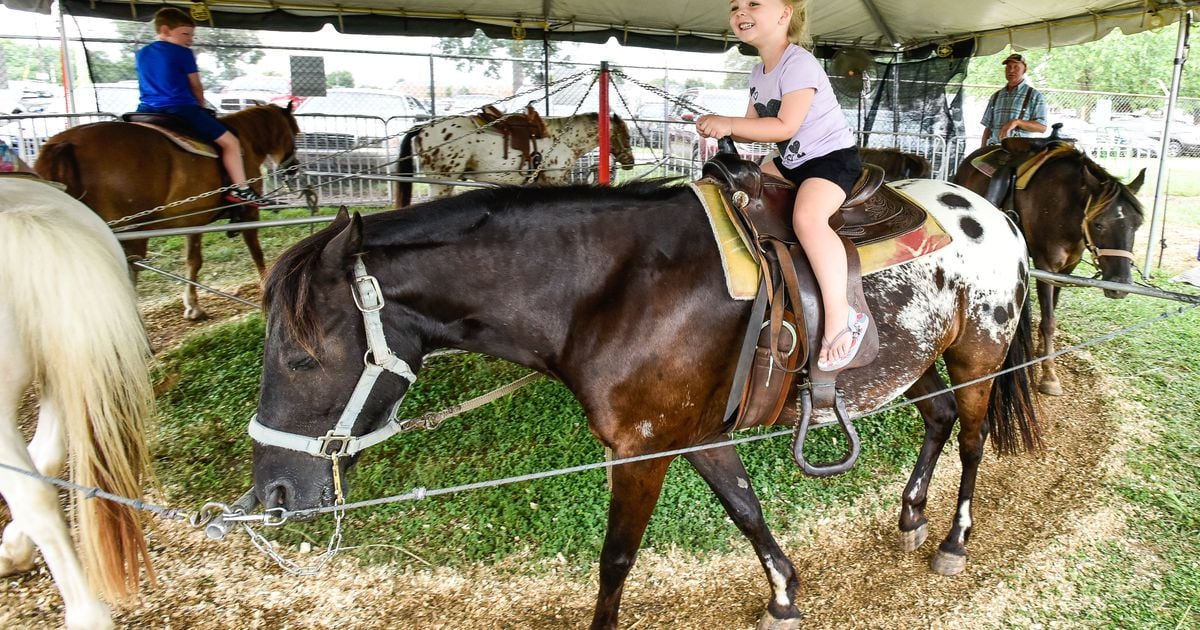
651 121
686 150
249 91
352 130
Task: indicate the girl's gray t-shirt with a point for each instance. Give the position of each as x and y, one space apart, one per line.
824 129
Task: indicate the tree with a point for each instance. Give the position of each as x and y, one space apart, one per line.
737 64
25 63
488 50
1132 64
339 78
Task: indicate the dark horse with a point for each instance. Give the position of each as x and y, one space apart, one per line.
1071 204
619 294
897 164
120 169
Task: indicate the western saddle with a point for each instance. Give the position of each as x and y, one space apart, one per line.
783 336
521 132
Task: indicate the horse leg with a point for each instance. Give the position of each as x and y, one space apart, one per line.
635 490
1047 301
191 303
724 472
251 239
49 454
36 514
939 414
951 556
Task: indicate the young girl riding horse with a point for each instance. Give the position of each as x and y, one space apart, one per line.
792 104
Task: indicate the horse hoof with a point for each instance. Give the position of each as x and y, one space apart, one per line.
912 540
769 622
8 567
1050 388
948 563
195 314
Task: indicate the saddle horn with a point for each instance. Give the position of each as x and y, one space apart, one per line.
726 145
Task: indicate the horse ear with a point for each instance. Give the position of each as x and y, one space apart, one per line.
1137 182
347 243
341 218
291 106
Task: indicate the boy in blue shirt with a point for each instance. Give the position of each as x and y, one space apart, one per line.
169 82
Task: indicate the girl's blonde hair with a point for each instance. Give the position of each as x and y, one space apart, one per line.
798 26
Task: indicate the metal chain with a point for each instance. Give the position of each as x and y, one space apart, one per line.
266 546
666 96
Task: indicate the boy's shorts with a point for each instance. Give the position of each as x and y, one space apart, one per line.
841 167
206 126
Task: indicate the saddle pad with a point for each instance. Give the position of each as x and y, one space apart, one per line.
191 145
741 270
989 162
926 238
1027 168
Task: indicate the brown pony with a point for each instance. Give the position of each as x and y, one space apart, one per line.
1070 204
120 169
619 294
897 164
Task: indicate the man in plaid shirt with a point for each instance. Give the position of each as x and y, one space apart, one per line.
1016 109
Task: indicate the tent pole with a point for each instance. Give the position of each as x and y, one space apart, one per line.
1181 50
65 57
605 150
546 67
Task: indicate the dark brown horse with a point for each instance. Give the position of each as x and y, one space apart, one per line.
120 169
1070 204
619 294
897 164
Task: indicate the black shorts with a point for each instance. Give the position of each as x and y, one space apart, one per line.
841 167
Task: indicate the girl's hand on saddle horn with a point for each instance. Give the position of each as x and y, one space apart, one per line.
713 126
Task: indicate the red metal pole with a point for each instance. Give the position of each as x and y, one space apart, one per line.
605 151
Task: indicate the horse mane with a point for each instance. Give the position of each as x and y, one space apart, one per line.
1111 187
259 126
289 290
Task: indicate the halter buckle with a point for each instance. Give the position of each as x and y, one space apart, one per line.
366 289
339 441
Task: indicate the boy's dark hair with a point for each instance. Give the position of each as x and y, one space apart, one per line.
172 18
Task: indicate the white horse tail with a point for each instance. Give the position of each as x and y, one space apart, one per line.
76 311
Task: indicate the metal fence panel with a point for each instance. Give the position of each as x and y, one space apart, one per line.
26 133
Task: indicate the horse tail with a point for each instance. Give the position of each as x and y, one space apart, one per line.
85 336
1011 410
56 162
402 193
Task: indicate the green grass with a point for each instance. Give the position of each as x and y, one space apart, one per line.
1151 579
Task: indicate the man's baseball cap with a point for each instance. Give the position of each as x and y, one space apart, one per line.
1014 57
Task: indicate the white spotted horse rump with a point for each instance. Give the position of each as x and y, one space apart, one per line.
981 273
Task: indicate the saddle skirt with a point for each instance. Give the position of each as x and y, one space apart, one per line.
167 125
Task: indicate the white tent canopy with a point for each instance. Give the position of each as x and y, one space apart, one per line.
882 25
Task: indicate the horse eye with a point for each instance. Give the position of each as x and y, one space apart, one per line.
303 363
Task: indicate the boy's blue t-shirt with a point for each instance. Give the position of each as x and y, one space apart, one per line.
163 69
